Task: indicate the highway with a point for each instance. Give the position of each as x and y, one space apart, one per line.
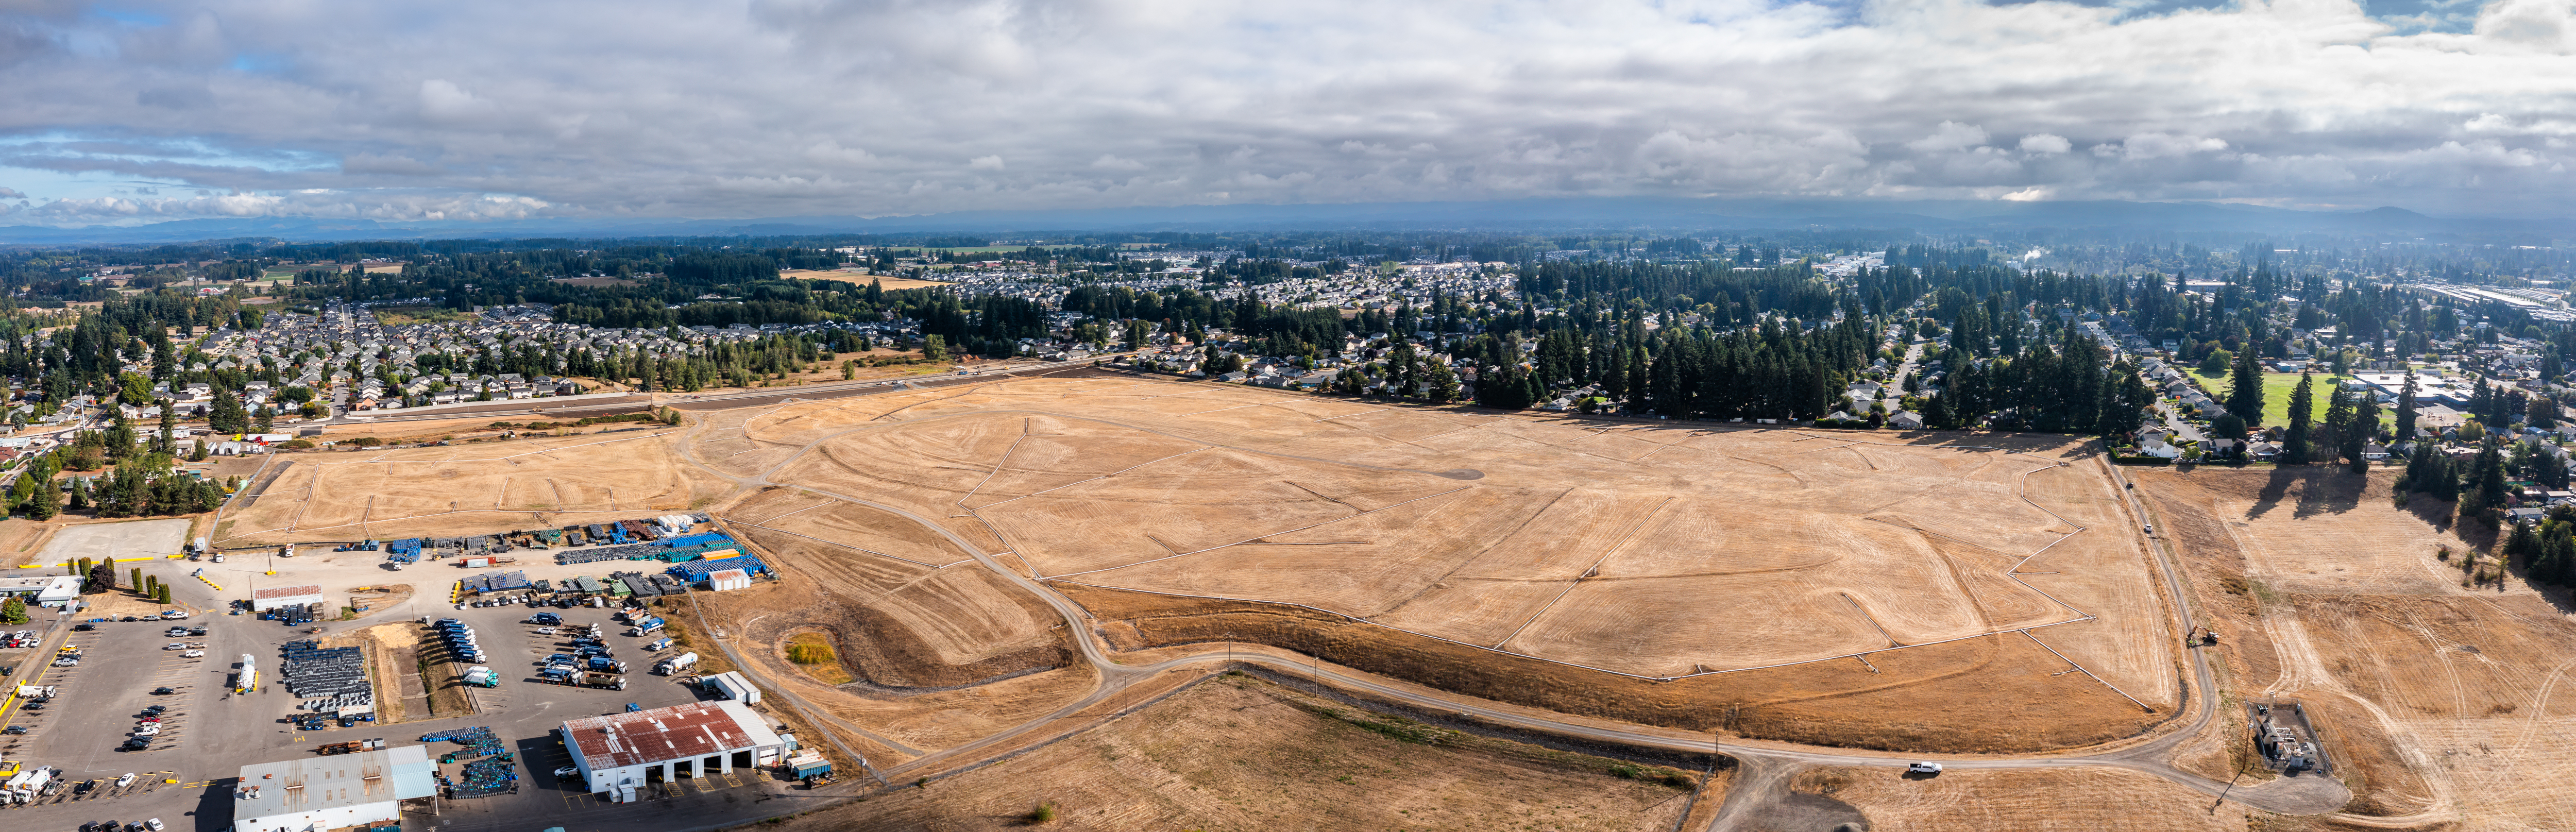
1767 766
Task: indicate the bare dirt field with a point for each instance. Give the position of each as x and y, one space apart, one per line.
1286 760
1887 567
468 488
1969 800
2440 703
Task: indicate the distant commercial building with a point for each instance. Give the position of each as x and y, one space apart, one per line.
311 795
52 590
620 753
285 596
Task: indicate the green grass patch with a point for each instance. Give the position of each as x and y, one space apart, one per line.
2277 388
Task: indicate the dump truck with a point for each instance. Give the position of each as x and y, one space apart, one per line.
676 664
808 763
591 679
604 664
646 626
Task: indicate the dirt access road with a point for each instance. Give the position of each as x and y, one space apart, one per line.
1766 763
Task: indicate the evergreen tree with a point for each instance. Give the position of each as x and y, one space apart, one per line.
2245 390
2484 494
226 416
2406 408
1444 383
2523 544
44 503
2364 429
2294 436
1936 413
162 594
13 610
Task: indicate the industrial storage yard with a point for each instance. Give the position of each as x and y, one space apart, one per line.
967 601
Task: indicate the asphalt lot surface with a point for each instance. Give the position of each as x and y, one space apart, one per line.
209 732
122 541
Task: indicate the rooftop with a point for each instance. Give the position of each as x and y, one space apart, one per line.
679 732
287 591
315 784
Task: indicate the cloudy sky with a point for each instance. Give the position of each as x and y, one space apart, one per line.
469 109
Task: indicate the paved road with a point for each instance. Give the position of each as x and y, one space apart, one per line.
2310 795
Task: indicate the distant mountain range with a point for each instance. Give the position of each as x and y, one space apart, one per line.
1644 215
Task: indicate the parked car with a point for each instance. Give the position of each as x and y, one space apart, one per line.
545 631
126 780
174 646
1923 768
567 772
14 730
193 654
173 615
163 691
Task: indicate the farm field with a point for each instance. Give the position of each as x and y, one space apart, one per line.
2441 701
1797 578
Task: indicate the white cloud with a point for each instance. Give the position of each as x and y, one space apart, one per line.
2046 143
789 107
2166 145
1950 136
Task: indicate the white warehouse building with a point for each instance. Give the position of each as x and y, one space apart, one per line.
620 753
315 794
285 596
47 591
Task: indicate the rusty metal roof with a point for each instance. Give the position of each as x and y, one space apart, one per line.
287 591
679 732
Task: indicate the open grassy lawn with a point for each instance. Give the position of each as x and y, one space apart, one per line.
2277 388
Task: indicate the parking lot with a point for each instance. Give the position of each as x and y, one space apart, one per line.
209 732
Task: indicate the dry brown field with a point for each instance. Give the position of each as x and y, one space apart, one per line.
2443 703
467 488
1974 800
891 282
1787 576
1237 753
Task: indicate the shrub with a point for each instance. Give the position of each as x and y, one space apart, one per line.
366 441
810 653
1044 813
296 445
